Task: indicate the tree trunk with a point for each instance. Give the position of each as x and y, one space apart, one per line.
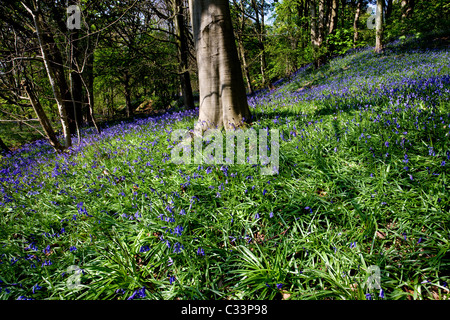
317 30
90 103
410 9
333 16
245 66
242 49
379 27
88 97
76 85
259 24
43 119
332 20
39 24
183 54
127 91
4 147
407 8
355 23
223 101
389 9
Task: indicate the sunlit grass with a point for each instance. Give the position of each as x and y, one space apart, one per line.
362 184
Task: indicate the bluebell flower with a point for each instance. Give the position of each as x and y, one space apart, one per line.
200 252
177 247
178 230
36 288
122 291
140 293
368 296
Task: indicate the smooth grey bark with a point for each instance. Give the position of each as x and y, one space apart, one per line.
223 100
379 26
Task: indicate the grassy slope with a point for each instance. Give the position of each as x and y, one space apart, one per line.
364 156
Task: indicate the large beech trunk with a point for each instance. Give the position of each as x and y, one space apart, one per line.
223 101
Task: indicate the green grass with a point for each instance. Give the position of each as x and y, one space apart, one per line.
341 203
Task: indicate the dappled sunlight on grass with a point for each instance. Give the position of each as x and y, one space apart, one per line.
363 181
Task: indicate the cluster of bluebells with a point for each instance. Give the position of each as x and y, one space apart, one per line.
137 294
28 170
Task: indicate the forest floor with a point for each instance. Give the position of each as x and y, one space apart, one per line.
359 208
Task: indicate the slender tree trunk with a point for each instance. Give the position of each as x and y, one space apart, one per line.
333 16
75 90
223 101
379 26
389 9
317 29
90 102
4 147
355 24
127 91
43 119
332 20
314 30
410 9
245 65
259 24
266 80
242 49
88 98
39 23
407 8
183 55
76 86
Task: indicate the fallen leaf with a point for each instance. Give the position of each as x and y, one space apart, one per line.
381 235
